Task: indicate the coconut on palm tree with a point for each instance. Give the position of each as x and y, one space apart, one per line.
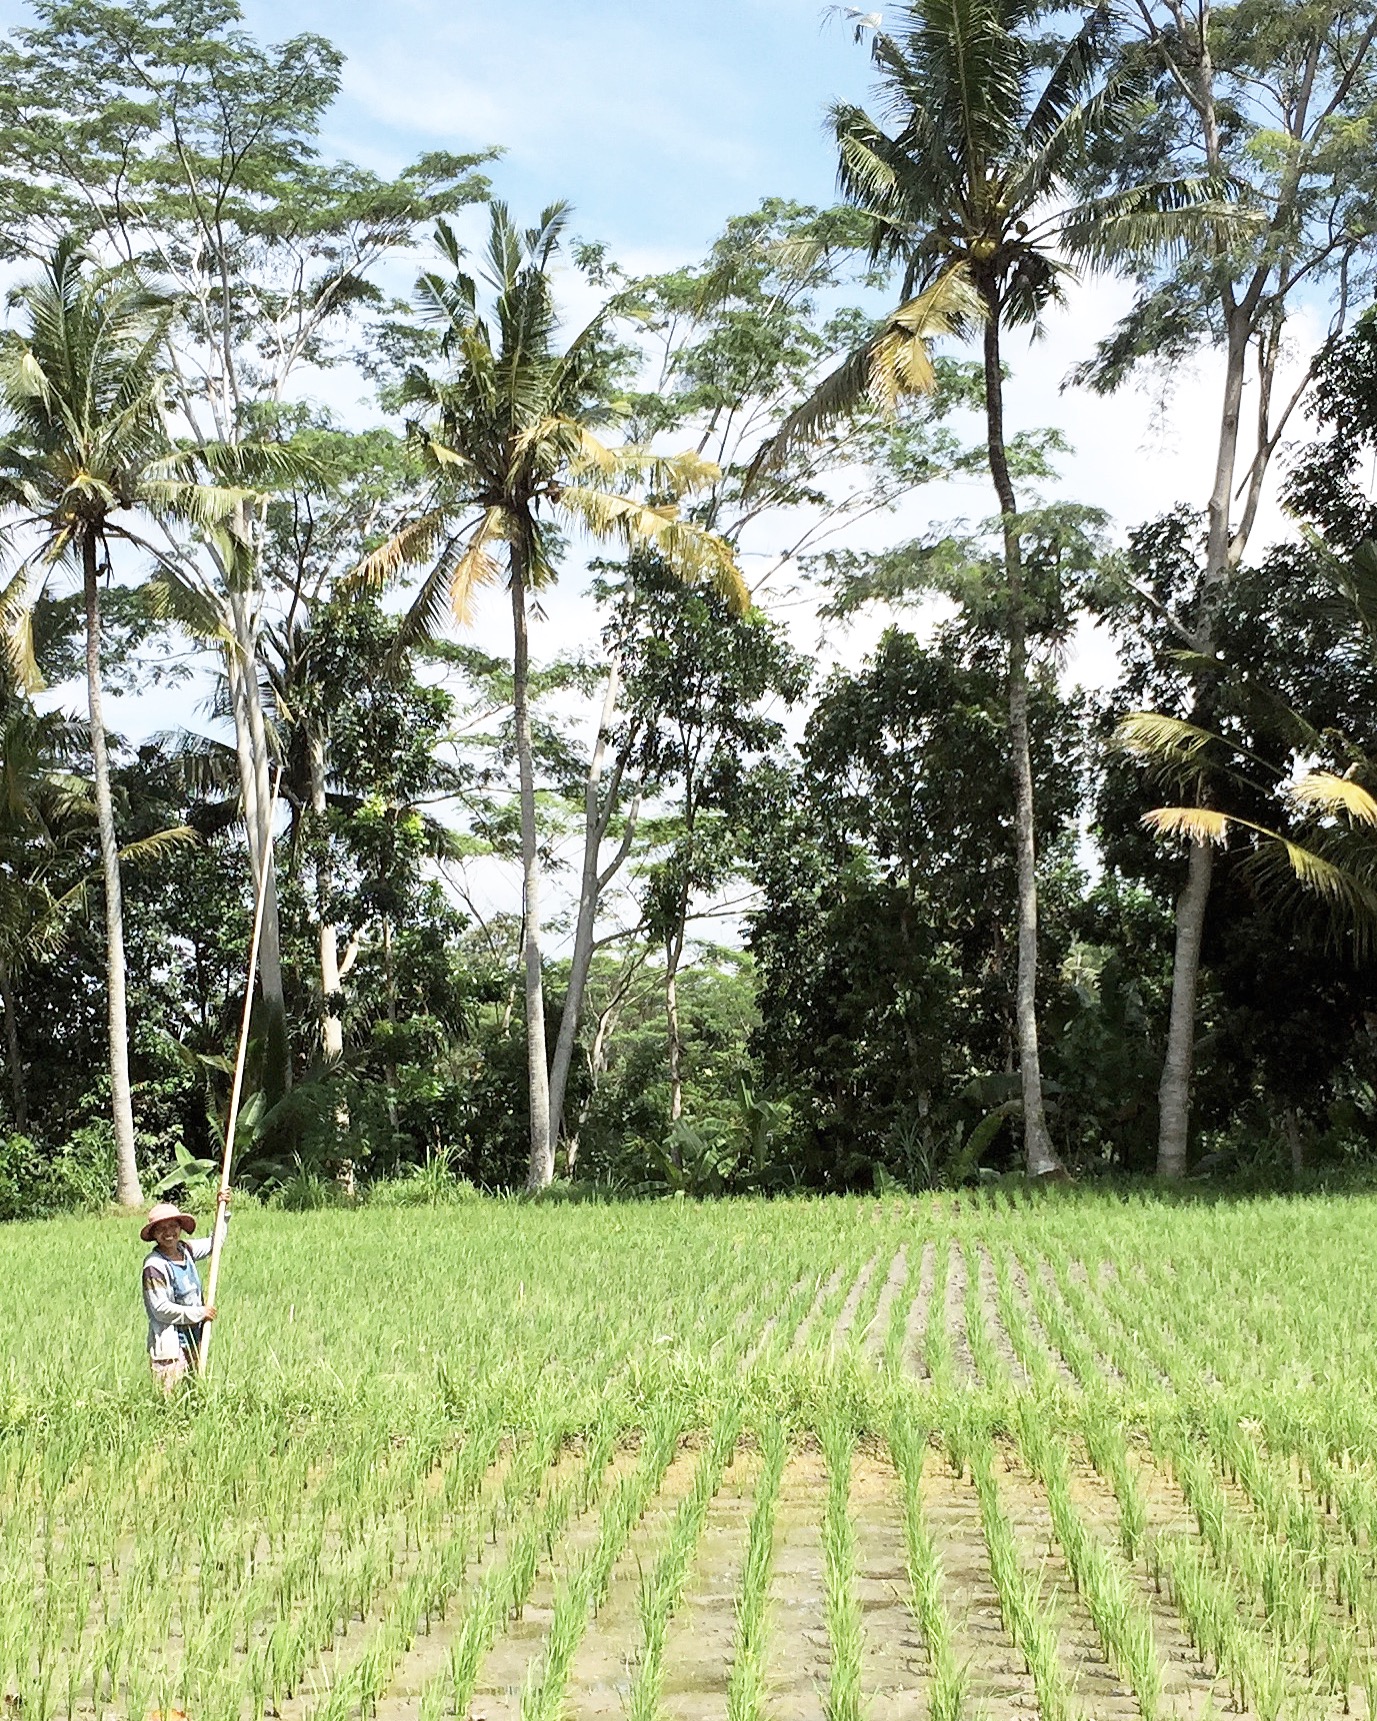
85 452
513 429
967 179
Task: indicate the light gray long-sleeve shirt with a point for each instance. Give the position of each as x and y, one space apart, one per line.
173 1298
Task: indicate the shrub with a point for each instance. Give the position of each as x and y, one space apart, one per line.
37 1181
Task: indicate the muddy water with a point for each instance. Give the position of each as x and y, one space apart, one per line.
602 1668
698 1650
893 1661
1000 1685
797 1659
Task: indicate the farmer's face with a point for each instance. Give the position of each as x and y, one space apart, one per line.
167 1233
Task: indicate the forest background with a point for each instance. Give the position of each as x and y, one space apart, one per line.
882 824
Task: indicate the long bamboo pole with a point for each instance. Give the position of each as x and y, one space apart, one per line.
236 1091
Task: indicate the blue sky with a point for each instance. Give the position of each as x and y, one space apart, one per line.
656 120
660 120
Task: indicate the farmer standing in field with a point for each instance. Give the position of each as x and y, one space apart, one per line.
172 1292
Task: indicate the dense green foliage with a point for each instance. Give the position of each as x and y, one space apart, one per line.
840 929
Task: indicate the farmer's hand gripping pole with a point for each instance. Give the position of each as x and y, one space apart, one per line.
236 1091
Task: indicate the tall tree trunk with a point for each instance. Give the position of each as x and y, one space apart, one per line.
674 1037
1295 1141
14 1057
390 1003
1174 1091
1039 1155
255 780
331 1025
128 1191
542 1166
597 813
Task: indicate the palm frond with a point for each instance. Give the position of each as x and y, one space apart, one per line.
1169 739
198 505
691 552
171 596
474 566
407 546
1070 78
895 361
159 845
1289 873
1323 792
16 630
1199 824
1163 221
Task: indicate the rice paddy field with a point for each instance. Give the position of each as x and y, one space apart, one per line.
1005 1456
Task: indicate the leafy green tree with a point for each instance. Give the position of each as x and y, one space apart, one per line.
511 441
733 343
43 805
882 943
705 690
969 184
1275 101
86 448
165 134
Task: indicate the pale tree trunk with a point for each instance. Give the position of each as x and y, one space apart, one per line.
675 1040
128 1191
1039 1155
1295 1141
542 1165
598 808
390 1004
331 1024
255 780
14 1058
1174 1091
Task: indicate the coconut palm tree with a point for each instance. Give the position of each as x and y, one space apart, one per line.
1326 858
511 431
967 177
1331 853
85 451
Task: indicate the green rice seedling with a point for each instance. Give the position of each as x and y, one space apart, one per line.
1020 1601
1108 1450
579 1595
1033 1355
746 1686
839 1577
469 1647
1122 1624
1340 1665
662 1587
989 1364
948 1696
1367 1666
